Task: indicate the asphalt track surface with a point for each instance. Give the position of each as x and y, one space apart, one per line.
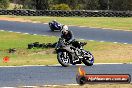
79 32
54 75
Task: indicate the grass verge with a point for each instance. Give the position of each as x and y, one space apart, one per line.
104 52
99 22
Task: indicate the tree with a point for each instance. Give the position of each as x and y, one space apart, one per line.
75 4
91 4
60 7
4 4
27 4
41 4
129 5
103 4
121 5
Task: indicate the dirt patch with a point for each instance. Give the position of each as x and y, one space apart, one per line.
14 19
92 86
117 53
49 51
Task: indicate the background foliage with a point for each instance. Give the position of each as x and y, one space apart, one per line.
4 4
120 5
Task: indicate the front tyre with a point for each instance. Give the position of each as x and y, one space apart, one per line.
63 59
88 58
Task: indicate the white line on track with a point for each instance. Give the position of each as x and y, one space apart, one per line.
34 34
93 27
125 43
45 86
44 35
82 26
107 28
50 85
60 85
71 84
2 30
102 41
60 65
115 42
91 40
94 64
29 86
108 63
35 22
24 66
25 33
45 23
10 31
17 32
81 39
8 87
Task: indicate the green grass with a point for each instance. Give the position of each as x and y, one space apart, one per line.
99 22
10 40
24 56
104 52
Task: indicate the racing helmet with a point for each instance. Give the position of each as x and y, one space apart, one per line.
54 20
64 28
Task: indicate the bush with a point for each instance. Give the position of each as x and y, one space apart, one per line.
4 4
60 7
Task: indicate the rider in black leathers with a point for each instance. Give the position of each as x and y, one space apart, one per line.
66 34
69 38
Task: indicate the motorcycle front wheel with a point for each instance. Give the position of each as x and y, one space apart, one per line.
63 58
88 58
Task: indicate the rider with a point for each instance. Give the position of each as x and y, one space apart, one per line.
68 36
55 22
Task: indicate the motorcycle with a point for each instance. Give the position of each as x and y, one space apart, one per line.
66 52
54 26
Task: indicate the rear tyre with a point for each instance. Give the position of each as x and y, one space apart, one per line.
88 58
63 59
50 25
51 29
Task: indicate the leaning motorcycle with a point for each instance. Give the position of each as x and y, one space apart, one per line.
54 26
66 52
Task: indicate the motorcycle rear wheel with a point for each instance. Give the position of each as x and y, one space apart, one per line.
51 29
50 25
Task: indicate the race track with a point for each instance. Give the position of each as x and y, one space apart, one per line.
79 32
44 75
57 75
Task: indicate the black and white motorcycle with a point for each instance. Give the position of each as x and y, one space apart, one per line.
66 52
